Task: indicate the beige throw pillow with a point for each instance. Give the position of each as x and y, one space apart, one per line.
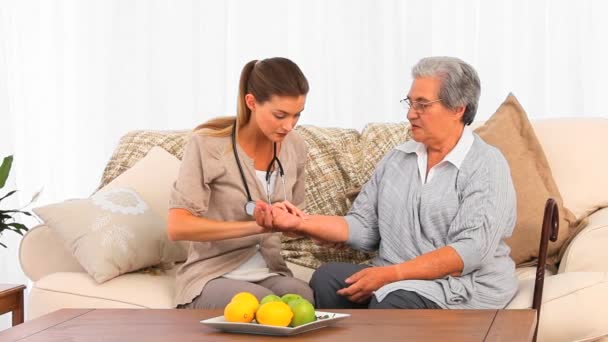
111 233
510 131
152 178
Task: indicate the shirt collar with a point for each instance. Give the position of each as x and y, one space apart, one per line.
455 156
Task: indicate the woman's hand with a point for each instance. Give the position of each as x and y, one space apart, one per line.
284 220
283 216
366 281
263 216
290 208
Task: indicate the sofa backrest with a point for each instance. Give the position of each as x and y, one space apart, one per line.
341 160
577 151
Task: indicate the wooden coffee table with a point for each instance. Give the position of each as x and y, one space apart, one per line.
11 299
363 325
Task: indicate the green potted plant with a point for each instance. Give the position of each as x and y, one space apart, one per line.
7 217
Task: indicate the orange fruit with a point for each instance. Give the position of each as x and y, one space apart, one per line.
246 298
274 313
241 312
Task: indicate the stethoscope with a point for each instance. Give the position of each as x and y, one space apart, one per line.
250 205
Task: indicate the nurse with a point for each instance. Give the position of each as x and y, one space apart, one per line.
228 164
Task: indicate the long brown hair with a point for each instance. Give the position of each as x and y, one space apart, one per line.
263 79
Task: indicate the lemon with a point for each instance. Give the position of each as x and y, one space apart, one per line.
246 298
238 311
274 313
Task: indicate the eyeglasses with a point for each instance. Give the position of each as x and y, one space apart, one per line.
416 105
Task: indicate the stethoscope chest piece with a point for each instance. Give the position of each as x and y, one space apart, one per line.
250 207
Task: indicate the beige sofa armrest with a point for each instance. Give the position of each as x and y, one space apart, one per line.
41 253
587 252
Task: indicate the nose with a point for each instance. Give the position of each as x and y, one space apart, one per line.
289 125
411 114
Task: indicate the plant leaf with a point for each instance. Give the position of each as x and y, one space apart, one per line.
5 196
5 169
15 211
18 226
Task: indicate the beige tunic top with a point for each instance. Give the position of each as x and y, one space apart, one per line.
209 185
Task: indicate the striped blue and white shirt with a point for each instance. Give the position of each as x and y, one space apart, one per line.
467 201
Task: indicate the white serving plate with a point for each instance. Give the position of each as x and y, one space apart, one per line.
260 329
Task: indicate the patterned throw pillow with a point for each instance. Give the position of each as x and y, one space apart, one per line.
339 162
331 170
134 145
110 233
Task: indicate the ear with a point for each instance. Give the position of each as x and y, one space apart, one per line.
459 112
250 102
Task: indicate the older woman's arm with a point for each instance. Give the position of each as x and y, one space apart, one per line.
433 265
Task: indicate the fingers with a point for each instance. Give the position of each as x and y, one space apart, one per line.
293 209
355 293
281 206
348 291
268 218
356 277
360 297
259 214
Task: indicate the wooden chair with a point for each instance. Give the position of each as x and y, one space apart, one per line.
549 231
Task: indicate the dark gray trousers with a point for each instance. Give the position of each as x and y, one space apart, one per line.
330 277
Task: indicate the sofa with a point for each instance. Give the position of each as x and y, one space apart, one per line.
575 301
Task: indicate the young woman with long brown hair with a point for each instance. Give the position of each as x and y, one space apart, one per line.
228 164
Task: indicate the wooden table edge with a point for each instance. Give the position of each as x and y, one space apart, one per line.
500 322
40 324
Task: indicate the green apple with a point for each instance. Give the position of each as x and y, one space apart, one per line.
289 297
270 298
303 312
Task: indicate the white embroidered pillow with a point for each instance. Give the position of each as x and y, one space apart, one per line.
111 233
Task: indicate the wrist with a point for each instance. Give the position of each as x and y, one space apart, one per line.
301 227
394 273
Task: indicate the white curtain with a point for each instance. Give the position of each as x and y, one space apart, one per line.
76 75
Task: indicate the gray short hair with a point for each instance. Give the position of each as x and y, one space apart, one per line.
460 85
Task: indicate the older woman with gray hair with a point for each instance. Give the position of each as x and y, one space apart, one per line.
437 209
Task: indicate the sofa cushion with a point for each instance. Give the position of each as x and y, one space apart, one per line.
152 178
575 302
510 131
79 290
111 233
578 162
587 251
